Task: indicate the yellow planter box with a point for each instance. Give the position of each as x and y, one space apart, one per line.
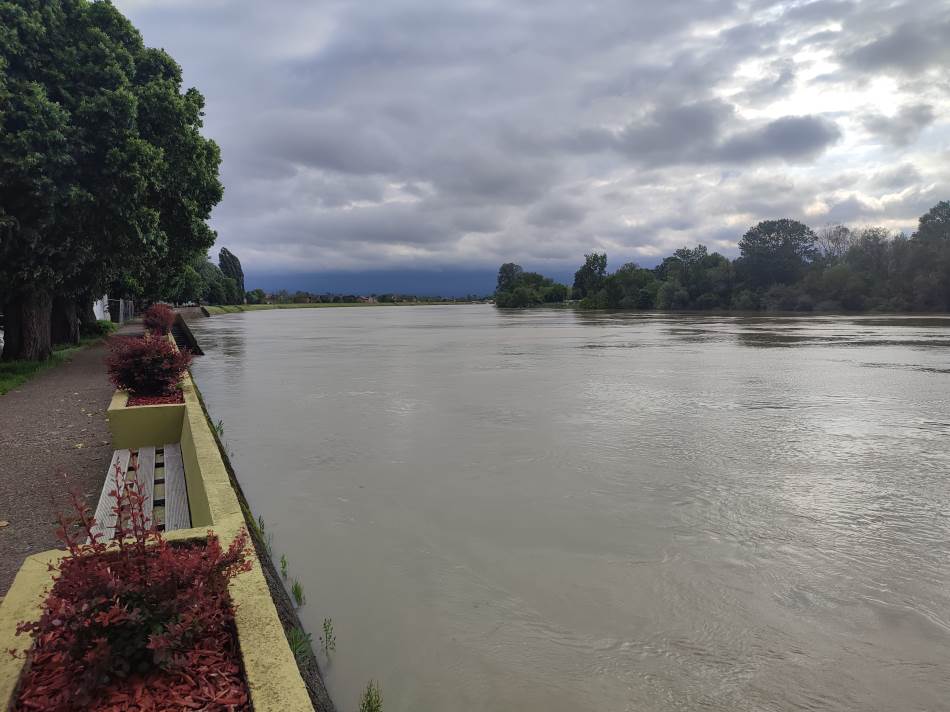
23 602
143 425
273 678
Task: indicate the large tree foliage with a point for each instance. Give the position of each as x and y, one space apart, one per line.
104 176
508 276
188 188
776 252
934 225
590 277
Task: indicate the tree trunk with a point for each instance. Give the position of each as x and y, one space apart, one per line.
85 311
27 329
64 321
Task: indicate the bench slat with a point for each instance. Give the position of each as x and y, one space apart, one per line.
177 515
146 478
105 511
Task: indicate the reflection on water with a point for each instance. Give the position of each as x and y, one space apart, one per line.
550 510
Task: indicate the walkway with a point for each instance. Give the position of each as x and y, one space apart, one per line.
53 438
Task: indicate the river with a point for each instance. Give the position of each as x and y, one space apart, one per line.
559 511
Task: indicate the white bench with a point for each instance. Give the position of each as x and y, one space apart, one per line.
161 474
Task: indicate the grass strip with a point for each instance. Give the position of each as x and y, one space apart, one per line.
16 373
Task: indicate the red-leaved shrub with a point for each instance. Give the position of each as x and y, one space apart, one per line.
158 319
146 367
141 624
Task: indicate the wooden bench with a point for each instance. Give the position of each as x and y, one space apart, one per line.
161 474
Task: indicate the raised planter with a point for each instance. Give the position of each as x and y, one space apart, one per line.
273 677
23 602
143 425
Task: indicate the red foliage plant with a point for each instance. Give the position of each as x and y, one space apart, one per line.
158 319
146 367
138 624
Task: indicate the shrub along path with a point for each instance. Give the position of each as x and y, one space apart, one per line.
53 438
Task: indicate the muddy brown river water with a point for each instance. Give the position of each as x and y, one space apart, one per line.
560 511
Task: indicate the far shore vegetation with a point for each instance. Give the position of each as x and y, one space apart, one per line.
783 265
216 310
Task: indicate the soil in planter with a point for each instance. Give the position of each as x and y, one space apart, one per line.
176 397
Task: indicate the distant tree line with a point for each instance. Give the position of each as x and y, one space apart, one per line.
783 265
258 296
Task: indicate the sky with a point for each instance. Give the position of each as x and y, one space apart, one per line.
454 135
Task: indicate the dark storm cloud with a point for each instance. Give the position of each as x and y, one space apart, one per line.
555 212
790 138
910 47
678 133
709 132
415 132
897 178
847 210
325 141
902 128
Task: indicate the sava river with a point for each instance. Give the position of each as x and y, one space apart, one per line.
559 511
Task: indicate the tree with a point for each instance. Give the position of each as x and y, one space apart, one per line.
188 286
776 252
508 276
102 169
257 296
934 225
216 287
230 265
672 296
589 279
553 293
517 288
519 297
189 186
833 242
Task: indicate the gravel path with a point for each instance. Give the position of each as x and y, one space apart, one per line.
53 438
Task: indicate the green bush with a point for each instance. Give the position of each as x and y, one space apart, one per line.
102 327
